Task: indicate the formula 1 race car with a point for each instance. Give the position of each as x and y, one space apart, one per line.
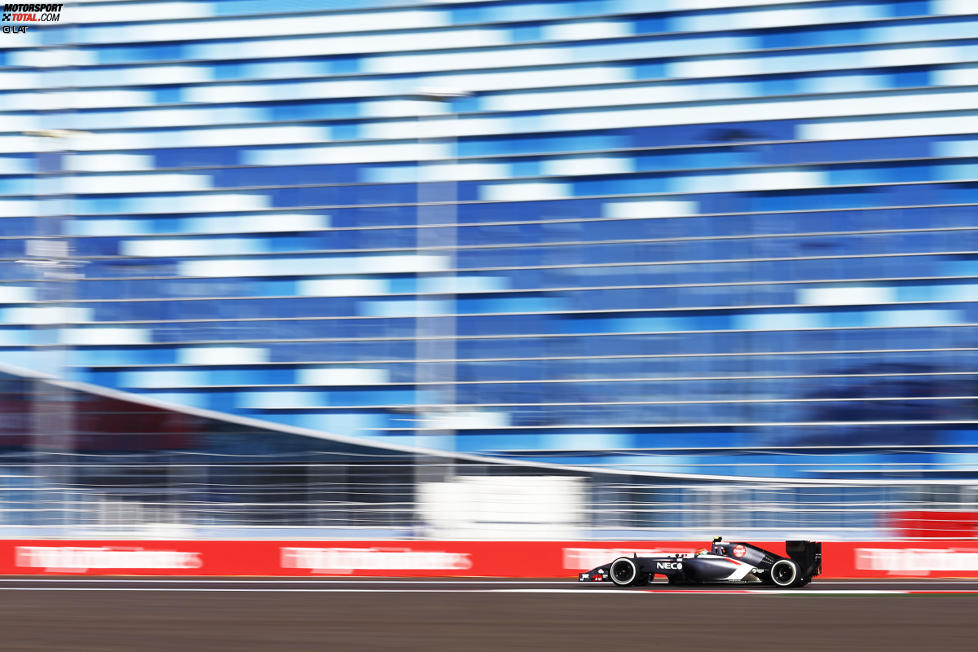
723 563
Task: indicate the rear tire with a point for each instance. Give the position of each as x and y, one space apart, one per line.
785 573
624 571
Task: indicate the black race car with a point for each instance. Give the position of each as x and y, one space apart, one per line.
724 563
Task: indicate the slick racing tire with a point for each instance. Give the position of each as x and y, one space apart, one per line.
624 572
785 573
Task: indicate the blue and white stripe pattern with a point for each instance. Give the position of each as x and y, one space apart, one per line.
661 227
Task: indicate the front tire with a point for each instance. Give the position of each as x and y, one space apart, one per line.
624 571
785 573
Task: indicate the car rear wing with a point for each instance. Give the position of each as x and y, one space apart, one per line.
807 554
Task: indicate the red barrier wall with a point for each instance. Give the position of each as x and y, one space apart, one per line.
440 558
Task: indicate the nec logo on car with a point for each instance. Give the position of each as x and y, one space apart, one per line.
669 565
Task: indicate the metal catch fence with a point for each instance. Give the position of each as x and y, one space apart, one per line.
406 498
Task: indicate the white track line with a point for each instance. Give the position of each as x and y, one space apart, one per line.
795 592
704 591
420 581
207 589
753 592
902 580
311 580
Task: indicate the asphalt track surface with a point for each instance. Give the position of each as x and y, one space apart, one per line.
298 615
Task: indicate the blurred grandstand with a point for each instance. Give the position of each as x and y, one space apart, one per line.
392 267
